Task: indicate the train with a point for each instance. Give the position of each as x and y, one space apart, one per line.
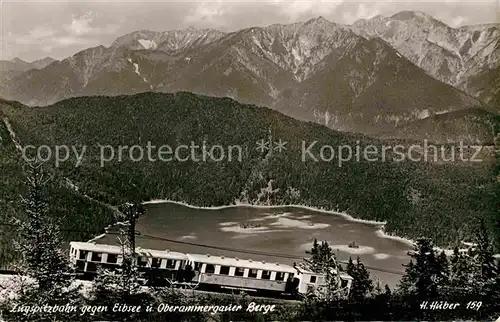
209 272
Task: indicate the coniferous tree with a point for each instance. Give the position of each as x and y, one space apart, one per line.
43 261
442 270
122 285
377 289
123 281
387 291
320 305
484 268
362 285
314 250
461 274
483 254
496 183
407 285
495 296
423 274
322 256
331 291
350 268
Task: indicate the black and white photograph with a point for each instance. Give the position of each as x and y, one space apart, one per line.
249 160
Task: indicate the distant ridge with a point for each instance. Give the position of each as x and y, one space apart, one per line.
471 126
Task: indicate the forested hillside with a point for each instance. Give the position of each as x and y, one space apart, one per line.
81 218
437 200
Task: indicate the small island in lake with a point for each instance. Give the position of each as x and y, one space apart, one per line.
353 245
250 225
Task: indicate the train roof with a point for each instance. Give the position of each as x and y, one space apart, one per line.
244 263
304 270
345 276
114 249
162 253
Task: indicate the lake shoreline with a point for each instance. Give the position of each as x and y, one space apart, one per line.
380 233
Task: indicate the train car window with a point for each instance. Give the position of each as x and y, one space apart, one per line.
155 262
224 270
83 254
290 276
112 259
197 266
80 265
240 271
312 279
210 269
142 261
252 273
91 267
108 266
266 275
170 263
96 257
280 276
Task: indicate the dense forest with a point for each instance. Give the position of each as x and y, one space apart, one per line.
465 285
433 199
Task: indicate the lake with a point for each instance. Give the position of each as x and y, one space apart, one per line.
272 234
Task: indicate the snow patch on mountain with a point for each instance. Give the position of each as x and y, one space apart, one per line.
423 114
172 41
148 44
137 71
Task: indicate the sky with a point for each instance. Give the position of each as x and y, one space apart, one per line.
34 29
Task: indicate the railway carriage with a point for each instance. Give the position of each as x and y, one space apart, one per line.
208 272
312 282
234 273
88 257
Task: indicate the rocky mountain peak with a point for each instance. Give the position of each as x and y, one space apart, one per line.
171 41
408 15
41 63
297 47
452 55
17 60
318 20
320 24
419 18
46 59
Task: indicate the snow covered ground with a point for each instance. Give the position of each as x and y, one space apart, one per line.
10 285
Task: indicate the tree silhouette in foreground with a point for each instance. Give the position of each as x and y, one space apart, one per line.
47 277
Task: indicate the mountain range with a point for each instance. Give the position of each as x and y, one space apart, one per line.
467 57
370 77
20 65
470 126
11 69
